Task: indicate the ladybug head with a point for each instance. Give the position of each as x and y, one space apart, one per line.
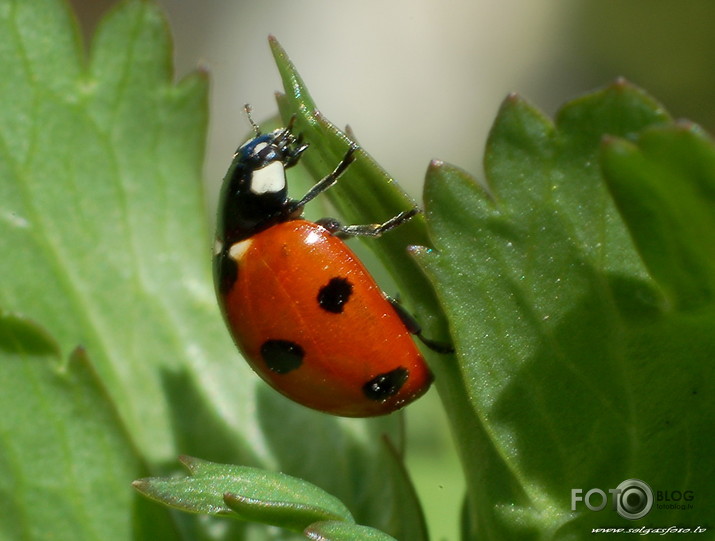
255 191
279 145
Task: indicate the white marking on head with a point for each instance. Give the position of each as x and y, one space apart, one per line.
218 246
268 179
239 249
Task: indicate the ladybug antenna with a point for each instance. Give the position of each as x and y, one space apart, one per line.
247 109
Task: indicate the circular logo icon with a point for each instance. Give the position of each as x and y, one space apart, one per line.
634 499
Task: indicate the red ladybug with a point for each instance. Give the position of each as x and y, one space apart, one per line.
300 305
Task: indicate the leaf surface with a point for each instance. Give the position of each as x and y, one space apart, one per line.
61 479
578 370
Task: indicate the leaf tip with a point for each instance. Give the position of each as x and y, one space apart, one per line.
202 71
279 54
78 357
434 165
237 502
514 100
685 126
255 508
141 485
296 95
513 97
621 82
79 353
190 463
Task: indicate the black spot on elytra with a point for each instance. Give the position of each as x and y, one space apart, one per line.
333 295
385 385
282 356
225 272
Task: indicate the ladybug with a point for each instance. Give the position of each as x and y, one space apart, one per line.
305 312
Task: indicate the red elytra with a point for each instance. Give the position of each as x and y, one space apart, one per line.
311 320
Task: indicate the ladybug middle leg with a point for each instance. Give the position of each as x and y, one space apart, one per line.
366 230
326 182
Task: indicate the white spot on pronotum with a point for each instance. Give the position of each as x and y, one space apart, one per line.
268 179
237 251
218 246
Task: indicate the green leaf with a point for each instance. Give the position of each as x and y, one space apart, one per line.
578 373
663 186
257 495
357 468
102 205
248 493
64 456
342 531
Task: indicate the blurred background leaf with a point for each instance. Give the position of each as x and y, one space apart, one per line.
64 455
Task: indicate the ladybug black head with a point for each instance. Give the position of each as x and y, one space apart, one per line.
255 192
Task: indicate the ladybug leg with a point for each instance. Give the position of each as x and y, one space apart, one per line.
326 182
293 154
366 230
414 328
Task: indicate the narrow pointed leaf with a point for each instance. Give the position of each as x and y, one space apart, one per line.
343 531
252 494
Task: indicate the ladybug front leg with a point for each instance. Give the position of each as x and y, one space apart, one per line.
324 183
